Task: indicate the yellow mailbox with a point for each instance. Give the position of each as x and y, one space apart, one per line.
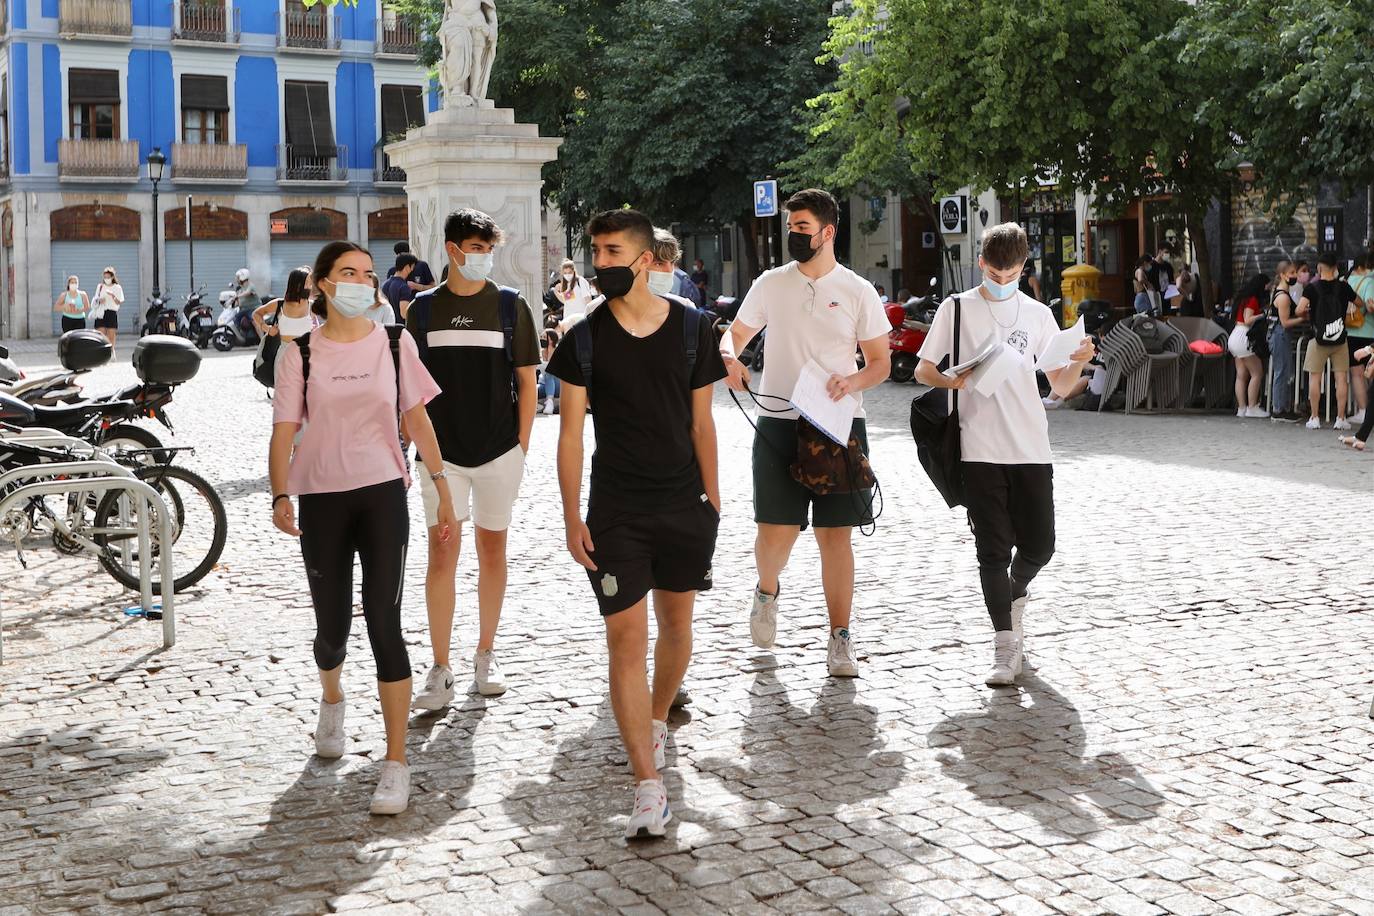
1079 282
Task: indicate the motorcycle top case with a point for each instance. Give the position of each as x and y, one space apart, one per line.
82 350
161 359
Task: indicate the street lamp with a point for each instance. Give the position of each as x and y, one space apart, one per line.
156 162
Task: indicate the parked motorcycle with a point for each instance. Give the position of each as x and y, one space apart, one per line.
9 369
910 324
200 318
234 327
162 317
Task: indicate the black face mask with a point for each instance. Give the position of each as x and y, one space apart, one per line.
615 282
799 246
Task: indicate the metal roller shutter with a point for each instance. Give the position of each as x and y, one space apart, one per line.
383 255
215 264
87 260
287 255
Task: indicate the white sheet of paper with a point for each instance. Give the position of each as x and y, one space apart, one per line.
993 371
985 351
1061 349
809 398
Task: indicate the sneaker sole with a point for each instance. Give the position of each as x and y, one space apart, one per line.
763 639
648 833
490 691
430 705
1000 683
844 672
387 809
328 753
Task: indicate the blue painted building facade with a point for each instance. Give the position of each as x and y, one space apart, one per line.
271 117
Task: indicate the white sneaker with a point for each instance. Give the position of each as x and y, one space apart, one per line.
548 407
683 698
1018 616
1257 412
1341 423
1006 659
329 731
840 659
393 789
437 692
1357 419
650 813
660 745
1242 413
1052 403
1314 423
490 682
763 619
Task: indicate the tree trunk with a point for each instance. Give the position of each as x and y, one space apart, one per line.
1197 230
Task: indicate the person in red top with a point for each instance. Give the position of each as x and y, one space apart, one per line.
351 478
1249 367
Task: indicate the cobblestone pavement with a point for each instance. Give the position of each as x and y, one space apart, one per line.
1195 739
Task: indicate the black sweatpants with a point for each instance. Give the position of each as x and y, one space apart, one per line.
373 523
1009 506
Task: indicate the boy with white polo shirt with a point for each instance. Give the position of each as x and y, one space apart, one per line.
1005 442
814 309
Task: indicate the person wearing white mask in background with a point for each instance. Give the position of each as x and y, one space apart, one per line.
109 296
575 293
479 342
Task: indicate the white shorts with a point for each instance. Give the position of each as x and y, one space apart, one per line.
485 494
1239 342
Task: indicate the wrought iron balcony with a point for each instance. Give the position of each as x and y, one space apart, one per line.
398 35
102 18
205 20
307 30
97 160
210 163
312 164
386 173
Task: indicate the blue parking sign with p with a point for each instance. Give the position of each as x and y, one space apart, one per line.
766 198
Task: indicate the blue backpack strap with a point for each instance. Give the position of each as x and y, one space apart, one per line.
582 347
509 302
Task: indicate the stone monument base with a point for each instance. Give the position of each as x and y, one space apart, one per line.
480 157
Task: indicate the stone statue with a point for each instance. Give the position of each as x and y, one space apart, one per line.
467 36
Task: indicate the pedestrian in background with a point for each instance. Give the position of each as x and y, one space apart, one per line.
1326 303
1249 367
350 477
293 316
575 294
72 304
1030 281
700 278
422 278
1284 323
550 388
1144 291
1359 327
397 289
109 296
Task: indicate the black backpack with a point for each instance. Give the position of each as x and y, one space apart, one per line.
1328 313
581 333
420 307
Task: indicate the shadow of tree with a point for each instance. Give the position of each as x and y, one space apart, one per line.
1032 759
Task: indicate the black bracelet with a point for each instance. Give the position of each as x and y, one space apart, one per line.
279 496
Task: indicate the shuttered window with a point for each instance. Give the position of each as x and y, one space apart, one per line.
204 109
402 108
93 104
309 129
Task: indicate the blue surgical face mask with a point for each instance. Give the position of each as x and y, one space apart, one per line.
353 299
1000 290
660 283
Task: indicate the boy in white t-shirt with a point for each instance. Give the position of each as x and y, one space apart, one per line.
814 309
1007 464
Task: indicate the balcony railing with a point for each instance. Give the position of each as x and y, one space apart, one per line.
398 36
386 173
97 160
298 163
205 20
307 29
95 17
210 162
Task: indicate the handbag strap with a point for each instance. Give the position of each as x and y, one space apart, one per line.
958 323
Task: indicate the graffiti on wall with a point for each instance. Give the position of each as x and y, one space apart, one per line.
1259 243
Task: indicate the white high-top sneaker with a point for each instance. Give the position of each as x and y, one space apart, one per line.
1006 659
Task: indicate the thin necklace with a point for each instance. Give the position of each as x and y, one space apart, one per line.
993 312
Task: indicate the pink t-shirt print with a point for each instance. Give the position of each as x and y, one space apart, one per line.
350 441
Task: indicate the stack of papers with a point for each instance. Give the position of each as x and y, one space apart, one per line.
811 400
991 366
1062 347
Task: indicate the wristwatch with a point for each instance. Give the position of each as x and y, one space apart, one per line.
440 475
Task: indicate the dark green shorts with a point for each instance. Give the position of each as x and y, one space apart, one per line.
780 500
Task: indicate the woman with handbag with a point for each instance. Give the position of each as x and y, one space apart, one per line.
280 321
354 382
109 296
1249 365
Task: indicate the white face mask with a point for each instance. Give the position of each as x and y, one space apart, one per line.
477 266
353 299
73 287
569 276
660 283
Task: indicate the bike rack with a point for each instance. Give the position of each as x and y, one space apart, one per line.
115 477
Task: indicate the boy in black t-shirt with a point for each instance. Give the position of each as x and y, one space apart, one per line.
654 505
484 434
1325 304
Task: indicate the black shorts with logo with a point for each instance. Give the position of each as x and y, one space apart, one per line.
637 553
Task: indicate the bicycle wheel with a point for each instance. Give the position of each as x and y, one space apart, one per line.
199 528
125 437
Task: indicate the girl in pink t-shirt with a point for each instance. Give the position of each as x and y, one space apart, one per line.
351 478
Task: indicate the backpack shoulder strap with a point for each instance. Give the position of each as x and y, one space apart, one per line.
393 333
419 307
582 347
954 359
508 304
691 330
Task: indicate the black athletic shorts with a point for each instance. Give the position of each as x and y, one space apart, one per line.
637 553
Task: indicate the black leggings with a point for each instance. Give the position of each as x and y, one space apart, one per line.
373 522
1009 505
1367 426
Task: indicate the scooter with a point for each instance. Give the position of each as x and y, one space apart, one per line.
234 327
910 325
200 318
9 369
162 318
